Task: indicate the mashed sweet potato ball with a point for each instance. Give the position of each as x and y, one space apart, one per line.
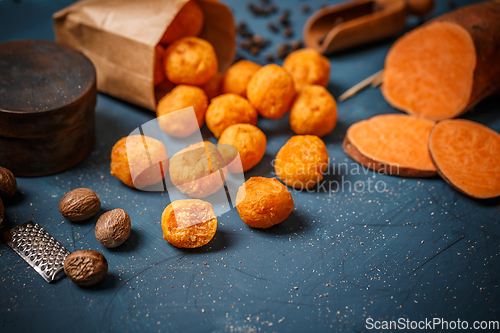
198 170
131 159
188 22
314 111
263 202
307 66
181 123
250 142
190 60
271 91
301 162
189 223
228 109
237 77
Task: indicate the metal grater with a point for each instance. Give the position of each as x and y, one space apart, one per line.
38 248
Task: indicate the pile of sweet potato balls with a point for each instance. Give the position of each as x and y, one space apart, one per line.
230 105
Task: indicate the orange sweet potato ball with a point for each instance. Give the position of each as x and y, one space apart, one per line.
180 123
130 161
198 170
190 60
237 77
314 111
250 142
189 223
271 91
301 162
228 109
307 66
263 202
188 22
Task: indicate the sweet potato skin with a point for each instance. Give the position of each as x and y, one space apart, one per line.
482 21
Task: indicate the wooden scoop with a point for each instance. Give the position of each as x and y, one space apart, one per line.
353 23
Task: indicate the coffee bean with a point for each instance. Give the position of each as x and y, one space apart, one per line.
305 9
273 27
288 32
296 44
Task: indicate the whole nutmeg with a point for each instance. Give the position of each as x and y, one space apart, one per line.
8 183
85 267
113 228
79 204
1 212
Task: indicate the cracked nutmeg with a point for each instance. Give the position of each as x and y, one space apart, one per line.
8 183
86 267
79 204
113 228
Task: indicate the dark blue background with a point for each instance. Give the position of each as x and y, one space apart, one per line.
417 250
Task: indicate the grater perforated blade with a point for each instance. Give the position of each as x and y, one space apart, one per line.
38 248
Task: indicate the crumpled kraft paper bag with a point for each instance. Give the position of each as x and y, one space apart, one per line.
119 37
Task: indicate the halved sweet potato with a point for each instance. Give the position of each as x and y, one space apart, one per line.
443 68
467 156
395 144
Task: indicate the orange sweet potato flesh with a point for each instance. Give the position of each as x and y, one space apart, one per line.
395 144
445 67
467 156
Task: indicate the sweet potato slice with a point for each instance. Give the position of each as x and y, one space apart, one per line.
395 144
467 156
445 67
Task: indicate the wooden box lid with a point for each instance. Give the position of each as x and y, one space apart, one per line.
47 101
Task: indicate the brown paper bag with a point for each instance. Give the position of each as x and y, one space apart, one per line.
119 37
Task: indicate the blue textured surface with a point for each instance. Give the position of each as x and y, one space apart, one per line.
417 249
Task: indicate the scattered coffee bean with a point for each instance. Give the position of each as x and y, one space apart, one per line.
85 267
283 50
296 44
257 39
254 43
8 183
452 4
113 228
264 10
79 204
246 44
242 30
265 1
273 27
285 18
269 58
288 32
255 50
305 9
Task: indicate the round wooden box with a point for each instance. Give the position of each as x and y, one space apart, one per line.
47 107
